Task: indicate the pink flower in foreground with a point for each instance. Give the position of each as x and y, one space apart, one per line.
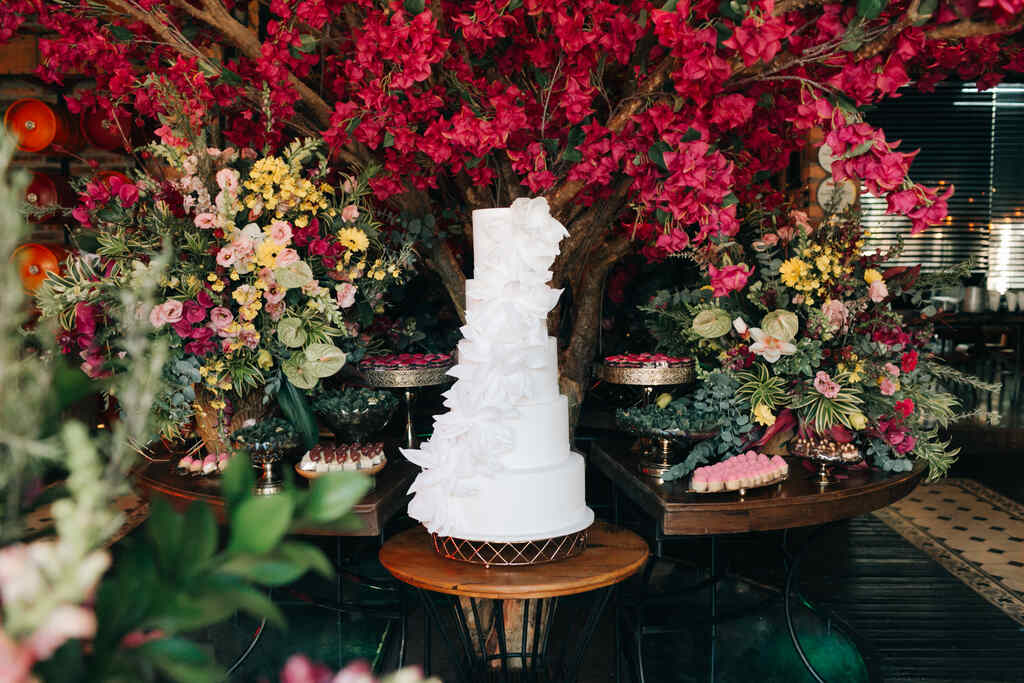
15 660
888 387
825 386
768 347
728 278
877 291
892 369
62 624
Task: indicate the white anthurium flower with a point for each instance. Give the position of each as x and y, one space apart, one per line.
768 347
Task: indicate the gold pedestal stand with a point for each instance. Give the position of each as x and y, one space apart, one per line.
408 380
656 451
826 453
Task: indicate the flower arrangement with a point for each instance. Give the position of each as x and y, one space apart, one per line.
274 272
805 324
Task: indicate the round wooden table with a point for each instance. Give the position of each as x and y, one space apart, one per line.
502 616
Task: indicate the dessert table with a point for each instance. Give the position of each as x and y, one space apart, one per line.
799 501
518 604
388 496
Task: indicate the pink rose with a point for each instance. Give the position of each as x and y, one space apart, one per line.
205 221
168 312
825 386
194 312
227 179
287 256
280 232
877 291
350 213
906 444
249 337
892 369
220 318
346 293
836 313
728 278
888 387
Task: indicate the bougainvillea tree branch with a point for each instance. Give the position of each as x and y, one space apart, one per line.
650 128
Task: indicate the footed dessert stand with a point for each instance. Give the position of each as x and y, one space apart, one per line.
408 379
647 375
497 621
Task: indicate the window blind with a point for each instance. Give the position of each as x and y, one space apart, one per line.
975 141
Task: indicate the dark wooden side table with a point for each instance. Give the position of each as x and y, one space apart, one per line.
487 605
798 502
388 496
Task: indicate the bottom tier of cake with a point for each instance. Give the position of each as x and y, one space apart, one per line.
525 505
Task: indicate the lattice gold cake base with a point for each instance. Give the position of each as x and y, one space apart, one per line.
501 554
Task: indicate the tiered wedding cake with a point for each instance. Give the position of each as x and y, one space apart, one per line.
498 466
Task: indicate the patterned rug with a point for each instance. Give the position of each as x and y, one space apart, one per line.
972 531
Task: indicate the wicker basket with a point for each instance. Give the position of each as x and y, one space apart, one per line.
211 425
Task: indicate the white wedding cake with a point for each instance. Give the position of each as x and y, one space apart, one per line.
498 466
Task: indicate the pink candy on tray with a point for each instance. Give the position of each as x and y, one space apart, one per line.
400 361
645 360
743 471
198 465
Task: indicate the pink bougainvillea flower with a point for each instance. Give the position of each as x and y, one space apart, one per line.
768 347
825 386
728 278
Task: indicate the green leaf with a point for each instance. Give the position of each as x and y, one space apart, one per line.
308 556
324 359
389 140
307 43
690 135
414 6
656 154
925 11
164 531
870 9
199 541
238 480
730 200
181 660
296 410
266 570
290 332
120 32
332 495
256 603
259 523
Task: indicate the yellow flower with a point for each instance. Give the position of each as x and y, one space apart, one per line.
219 404
872 275
266 253
793 271
302 221
217 286
354 239
763 415
823 263
264 359
858 421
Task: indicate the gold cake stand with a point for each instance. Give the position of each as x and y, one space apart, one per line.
408 380
647 377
